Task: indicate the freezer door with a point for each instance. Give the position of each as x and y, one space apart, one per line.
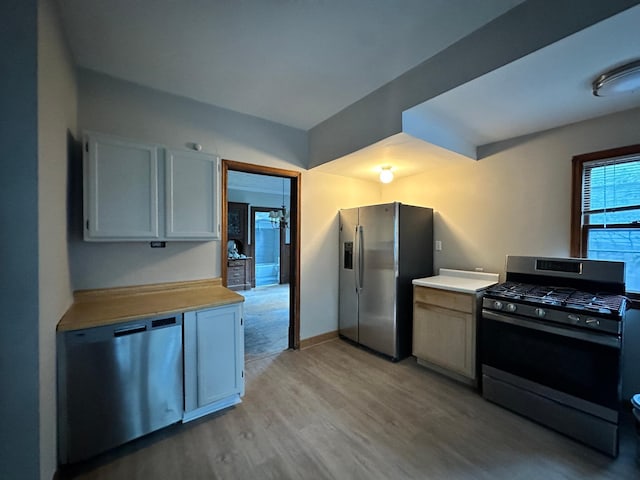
348 295
377 300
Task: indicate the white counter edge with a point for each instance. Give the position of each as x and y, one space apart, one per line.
459 280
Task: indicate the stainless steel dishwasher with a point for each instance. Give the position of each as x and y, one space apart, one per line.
117 383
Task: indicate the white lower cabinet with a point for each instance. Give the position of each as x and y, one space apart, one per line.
213 360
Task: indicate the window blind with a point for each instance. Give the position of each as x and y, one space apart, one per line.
611 191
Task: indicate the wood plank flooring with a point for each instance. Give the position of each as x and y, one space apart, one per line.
334 411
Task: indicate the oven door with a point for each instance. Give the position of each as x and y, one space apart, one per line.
581 364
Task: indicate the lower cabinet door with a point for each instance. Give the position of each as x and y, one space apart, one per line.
214 360
445 338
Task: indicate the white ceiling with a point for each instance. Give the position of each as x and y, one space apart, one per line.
405 154
548 88
295 62
252 182
298 62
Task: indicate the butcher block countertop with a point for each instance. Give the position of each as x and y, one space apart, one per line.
95 308
459 280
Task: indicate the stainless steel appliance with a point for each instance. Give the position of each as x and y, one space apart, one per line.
382 249
551 343
117 383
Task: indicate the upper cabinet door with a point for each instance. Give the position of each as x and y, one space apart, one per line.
192 195
120 189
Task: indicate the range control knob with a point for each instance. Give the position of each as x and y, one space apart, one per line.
511 307
592 322
540 312
497 305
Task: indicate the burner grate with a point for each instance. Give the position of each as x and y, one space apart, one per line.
549 295
599 302
560 296
511 289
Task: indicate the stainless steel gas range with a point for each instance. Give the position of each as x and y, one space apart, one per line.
551 345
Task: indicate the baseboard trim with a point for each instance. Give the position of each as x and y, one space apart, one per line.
324 337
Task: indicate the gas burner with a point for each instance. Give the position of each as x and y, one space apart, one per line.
548 295
562 297
597 303
513 290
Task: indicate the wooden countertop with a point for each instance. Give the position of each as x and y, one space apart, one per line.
95 308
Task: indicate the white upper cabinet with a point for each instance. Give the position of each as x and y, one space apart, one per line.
192 195
125 186
120 189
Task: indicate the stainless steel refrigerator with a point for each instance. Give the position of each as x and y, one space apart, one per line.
382 249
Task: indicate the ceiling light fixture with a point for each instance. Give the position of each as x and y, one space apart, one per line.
386 175
622 79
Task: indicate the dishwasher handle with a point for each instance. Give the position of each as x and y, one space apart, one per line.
129 330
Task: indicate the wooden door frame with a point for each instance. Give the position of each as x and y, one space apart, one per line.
294 236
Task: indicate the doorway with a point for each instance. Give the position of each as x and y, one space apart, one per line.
289 269
270 246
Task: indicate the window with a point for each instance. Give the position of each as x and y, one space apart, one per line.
605 222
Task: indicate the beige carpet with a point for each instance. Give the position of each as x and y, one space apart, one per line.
266 321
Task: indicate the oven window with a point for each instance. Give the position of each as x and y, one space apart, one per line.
585 370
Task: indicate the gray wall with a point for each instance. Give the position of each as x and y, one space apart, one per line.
522 30
256 199
19 409
57 110
120 108
517 200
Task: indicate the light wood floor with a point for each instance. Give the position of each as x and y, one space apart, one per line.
334 411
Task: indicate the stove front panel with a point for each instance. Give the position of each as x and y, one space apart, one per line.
606 322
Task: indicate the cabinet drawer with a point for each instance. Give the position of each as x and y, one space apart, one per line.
461 302
236 263
235 272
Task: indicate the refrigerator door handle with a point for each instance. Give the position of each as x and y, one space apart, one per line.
356 258
360 275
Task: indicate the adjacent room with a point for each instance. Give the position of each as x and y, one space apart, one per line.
258 245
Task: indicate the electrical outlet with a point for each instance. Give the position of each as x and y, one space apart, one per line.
438 245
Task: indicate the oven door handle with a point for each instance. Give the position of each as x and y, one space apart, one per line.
607 340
